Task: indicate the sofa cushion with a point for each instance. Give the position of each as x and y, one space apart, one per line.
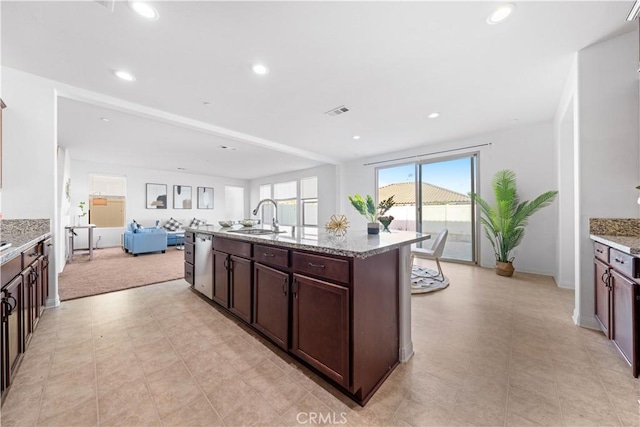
172 224
196 222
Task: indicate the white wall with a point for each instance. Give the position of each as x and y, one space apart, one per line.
566 141
137 178
64 174
29 155
526 149
607 157
327 188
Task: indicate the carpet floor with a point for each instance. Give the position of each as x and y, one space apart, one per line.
113 270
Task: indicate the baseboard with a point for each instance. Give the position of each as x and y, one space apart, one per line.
406 353
588 322
52 302
566 285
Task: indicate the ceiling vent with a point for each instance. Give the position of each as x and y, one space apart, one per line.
108 4
337 111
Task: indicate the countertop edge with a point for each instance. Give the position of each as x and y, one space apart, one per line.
13 252
311 248
611 241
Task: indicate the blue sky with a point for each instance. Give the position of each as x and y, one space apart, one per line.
452 174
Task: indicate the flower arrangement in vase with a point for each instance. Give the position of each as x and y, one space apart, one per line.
368 209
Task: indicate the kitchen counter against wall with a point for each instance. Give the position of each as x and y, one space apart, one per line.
22 233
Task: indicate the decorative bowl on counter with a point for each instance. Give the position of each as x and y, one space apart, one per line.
225 223
249 222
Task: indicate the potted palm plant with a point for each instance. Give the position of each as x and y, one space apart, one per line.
504 224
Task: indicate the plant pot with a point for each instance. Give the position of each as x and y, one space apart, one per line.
373 228
504 268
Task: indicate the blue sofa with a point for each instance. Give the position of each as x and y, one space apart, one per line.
144 240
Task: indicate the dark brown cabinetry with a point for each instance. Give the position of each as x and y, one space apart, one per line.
617 296
271 303
240 287
603 296
189 252
320 327
221 278
25 288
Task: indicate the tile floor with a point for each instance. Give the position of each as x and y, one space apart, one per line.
489 351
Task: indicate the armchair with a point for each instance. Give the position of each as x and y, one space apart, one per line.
144 240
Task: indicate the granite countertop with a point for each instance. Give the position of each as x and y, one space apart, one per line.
627 244
22 234
356 243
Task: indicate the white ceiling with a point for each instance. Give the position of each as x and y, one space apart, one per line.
390 63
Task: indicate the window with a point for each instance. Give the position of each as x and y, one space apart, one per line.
234 202
289 195
309 199
286 194
107 196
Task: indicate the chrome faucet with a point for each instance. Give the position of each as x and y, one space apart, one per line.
275 227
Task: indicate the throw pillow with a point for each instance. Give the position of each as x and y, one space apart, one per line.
196 222
172 224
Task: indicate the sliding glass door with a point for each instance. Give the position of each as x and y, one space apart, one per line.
445 203
440 201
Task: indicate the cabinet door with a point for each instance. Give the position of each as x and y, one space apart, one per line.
44 283
30 303
240 271
271 304
13 303
220 279
603 296
623 326
4 357
320 330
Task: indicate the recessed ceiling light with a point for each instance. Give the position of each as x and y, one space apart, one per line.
104 119
433 115
145 10
226 147
260 69
356 137
500 13
182 169
124 75
206 103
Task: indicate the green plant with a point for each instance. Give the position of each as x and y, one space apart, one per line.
367 207
504 224
81 206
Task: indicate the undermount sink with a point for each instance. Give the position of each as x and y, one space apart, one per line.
252 231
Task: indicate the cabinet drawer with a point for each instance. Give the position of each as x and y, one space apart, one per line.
189 237
233 247
11 269
624 263
188 252
271 255
31 255
188 273
321 266
601 252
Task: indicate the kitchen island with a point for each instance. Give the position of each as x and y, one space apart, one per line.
340 305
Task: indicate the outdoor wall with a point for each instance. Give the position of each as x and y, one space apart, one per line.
137 178
526 149
455 218
608 151
327 185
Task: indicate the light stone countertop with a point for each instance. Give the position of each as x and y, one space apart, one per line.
356 243
22 233
627 244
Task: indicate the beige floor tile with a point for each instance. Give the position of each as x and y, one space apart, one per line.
534 407
83 415
65 391
197 414
473 407
258 413
282 393
417 411
230 395
310 409
264 375
172 388
583 410
156 356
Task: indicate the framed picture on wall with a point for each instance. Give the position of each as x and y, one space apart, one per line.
205 197
156 196
181 197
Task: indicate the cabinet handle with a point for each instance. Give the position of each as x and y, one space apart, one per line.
599 251
10 307
284 286
619 261
295 288
268 254
604 280
316 265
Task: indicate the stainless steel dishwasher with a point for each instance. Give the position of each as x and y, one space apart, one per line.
203 274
